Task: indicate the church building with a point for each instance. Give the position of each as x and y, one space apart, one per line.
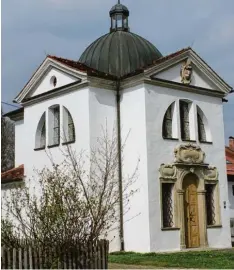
173 107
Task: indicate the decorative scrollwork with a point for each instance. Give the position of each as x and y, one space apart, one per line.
167 171
189 154
211 173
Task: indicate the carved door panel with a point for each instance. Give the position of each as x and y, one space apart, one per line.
191 214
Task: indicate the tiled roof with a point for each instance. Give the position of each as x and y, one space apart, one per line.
15 174
15 112
170 56
84 68
230 159
79 66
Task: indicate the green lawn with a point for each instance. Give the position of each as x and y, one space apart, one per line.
212 259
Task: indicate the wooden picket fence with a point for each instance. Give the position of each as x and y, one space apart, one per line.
92 256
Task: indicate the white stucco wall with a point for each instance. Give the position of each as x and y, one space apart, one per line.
77 102
102 118
142 111
173 74
102 106
136 221
162 151
45 84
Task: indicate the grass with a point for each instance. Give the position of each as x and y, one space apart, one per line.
212 259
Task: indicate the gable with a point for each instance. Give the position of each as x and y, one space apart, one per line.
197 79
46 84
168 68
42 80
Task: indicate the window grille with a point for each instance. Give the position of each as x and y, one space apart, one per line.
201 129
167 123
167 205
56 126
210 204
184 120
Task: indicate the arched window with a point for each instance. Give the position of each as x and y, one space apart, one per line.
201 128
167 123
54 125
204 134
40 140
68 127
184 120
169 130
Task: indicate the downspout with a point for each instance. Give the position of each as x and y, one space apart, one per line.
121 229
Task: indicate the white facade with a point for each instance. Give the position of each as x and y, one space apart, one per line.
142 108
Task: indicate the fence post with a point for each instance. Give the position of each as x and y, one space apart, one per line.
25 258
14 258
35 256
93 255
3 261
20 258
30 258
39 258
9 266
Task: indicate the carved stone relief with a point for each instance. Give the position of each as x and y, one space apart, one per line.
167 171
189 154
190 158
186 72
211 173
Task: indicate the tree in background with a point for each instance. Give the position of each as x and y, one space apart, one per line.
7 143
78 203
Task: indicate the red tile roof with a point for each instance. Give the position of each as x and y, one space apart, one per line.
79 66
230 157
15 174
170 56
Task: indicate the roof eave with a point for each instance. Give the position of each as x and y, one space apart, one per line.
183 87
15 115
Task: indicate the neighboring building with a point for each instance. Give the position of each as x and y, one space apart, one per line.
230 173
172 105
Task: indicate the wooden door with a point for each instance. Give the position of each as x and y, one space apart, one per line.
191 213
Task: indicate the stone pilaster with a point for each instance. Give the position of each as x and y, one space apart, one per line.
181 218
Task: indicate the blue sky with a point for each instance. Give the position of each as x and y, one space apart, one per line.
33 28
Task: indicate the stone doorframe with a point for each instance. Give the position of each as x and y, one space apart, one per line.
190 158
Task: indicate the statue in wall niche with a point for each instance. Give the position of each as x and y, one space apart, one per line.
186 72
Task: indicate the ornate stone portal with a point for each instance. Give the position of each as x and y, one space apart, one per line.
189 159
186 72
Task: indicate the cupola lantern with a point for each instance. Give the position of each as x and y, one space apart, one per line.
119 17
